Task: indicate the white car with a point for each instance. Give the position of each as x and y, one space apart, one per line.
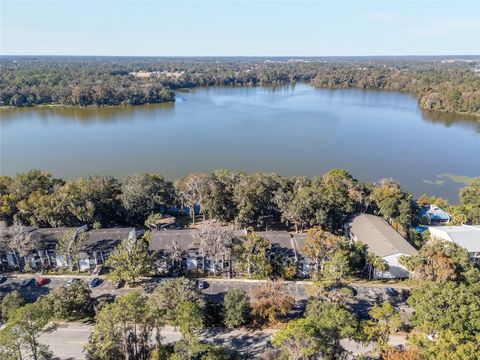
72 281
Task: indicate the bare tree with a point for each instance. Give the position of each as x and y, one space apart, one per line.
215 241
16 240
190 190
70 244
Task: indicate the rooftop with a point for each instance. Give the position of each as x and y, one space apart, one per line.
185 240
434 213
467 236
380 238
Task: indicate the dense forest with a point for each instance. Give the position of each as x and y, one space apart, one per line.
439 84
259 200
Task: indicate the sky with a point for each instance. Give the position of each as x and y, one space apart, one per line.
240 28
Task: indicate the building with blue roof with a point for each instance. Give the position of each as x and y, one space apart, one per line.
432 214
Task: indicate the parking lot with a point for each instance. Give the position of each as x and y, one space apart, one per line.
32 291
364 299
295 289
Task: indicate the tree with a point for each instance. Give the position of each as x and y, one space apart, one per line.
449 306
301 339
15 239
131 260
392 353
122 330
21 333
393 204
470 199
144 193
446 320
70 244
40 210
425 200
447 345
338 195
8 207
88 200
22 185
73 302
442 261
218 194
215 241
236 308
190 317
334 321
10 302
375 262
271 302
336 268
385 319
318 334
296 202
168 296
254 198
251 255
185 349
320 246
190 190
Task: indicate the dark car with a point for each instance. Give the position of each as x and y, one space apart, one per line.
94 282
390 291
41 281
201 284
3 278
25 282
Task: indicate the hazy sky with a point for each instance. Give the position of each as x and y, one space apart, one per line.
161 28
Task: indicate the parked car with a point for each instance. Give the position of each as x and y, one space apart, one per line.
201 284
41 281
94 282
25 282
390 291
72 281
98 269
3 278
118 284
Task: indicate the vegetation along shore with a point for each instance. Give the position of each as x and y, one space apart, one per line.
442 84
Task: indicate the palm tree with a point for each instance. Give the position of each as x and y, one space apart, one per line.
375 262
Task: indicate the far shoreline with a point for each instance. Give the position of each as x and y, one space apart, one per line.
475 116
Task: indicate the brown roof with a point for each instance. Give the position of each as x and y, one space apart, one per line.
381 239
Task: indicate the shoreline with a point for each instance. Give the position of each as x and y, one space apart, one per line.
476 116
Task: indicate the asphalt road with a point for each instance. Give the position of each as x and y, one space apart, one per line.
68 340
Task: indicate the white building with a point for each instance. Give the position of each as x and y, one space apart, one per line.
382 240
467 236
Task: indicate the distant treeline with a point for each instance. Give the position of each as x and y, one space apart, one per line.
446 86
258 200
440 87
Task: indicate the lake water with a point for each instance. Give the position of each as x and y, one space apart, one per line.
291 130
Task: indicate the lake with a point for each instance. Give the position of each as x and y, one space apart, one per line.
291 130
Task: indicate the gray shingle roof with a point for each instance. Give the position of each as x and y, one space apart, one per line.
467 236
185 239
165 239
381 239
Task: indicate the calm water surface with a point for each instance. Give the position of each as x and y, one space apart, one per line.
291 130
